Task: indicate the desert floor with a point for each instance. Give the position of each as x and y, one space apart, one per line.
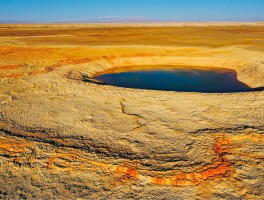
64 138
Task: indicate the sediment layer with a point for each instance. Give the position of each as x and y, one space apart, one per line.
62 137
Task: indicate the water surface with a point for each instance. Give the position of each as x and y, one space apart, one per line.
173 78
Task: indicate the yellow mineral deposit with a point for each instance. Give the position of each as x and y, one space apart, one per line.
60 132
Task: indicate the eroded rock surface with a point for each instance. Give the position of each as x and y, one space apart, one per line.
62 137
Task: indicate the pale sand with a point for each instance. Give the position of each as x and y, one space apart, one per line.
75 139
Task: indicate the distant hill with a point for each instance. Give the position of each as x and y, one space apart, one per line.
15 22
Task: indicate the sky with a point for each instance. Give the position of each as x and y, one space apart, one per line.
131 10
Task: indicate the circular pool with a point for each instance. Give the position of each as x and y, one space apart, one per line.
175 78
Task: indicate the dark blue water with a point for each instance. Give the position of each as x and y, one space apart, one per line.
212 80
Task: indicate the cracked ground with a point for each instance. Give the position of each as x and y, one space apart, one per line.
62 137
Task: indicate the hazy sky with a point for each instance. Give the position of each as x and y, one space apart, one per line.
131 10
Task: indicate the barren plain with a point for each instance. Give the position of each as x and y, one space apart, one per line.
63 137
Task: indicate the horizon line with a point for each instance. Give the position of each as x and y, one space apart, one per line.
118 22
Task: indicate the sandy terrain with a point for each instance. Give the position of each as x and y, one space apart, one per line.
64 138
